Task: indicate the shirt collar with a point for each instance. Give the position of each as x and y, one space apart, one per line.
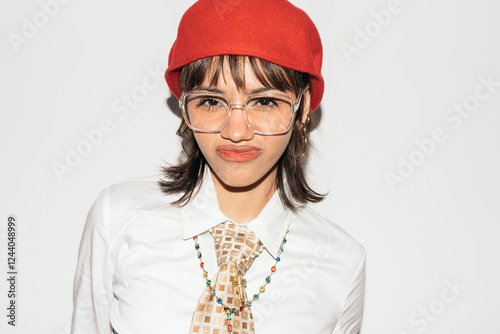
202 213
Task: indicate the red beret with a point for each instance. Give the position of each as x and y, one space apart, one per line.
272 30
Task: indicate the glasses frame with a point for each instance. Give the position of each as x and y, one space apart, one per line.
293 110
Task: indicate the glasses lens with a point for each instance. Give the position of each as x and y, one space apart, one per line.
206 112
269 113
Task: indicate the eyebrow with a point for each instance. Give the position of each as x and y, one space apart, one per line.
218 91
208 89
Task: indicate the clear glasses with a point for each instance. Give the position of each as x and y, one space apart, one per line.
265 114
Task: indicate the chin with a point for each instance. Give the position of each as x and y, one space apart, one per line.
243 178
236 181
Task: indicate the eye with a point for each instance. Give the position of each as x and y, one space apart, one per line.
267 101
209 103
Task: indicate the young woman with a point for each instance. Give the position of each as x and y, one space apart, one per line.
225 242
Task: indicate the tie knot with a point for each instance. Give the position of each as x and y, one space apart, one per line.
236 244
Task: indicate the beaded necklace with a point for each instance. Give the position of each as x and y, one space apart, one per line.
240 281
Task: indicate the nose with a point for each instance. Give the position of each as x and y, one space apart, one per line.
237 128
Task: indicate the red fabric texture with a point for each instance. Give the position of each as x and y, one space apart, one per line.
273 30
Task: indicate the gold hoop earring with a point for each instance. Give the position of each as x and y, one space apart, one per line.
183 135
183 149
303 141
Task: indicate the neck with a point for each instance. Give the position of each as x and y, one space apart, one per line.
243 204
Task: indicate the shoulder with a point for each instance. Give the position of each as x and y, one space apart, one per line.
133 201
136 193
330 235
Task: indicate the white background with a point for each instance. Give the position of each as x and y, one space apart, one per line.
436 227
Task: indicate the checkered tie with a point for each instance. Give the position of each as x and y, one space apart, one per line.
236 247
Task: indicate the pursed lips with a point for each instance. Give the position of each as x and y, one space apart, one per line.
238 153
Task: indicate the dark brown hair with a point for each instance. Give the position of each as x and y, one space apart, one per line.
185 177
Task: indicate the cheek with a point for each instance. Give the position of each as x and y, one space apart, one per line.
205 141
275 147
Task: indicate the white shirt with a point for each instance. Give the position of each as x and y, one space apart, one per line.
138 271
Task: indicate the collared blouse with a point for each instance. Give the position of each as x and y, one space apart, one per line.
138 270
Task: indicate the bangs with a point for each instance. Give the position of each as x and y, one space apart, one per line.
268 74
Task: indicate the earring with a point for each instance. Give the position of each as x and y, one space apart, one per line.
184 134
182 145
303 142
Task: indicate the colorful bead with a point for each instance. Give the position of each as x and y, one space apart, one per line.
229 328
255 296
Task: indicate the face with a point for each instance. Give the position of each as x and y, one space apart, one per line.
238 157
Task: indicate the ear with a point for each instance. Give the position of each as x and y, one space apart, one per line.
306 102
